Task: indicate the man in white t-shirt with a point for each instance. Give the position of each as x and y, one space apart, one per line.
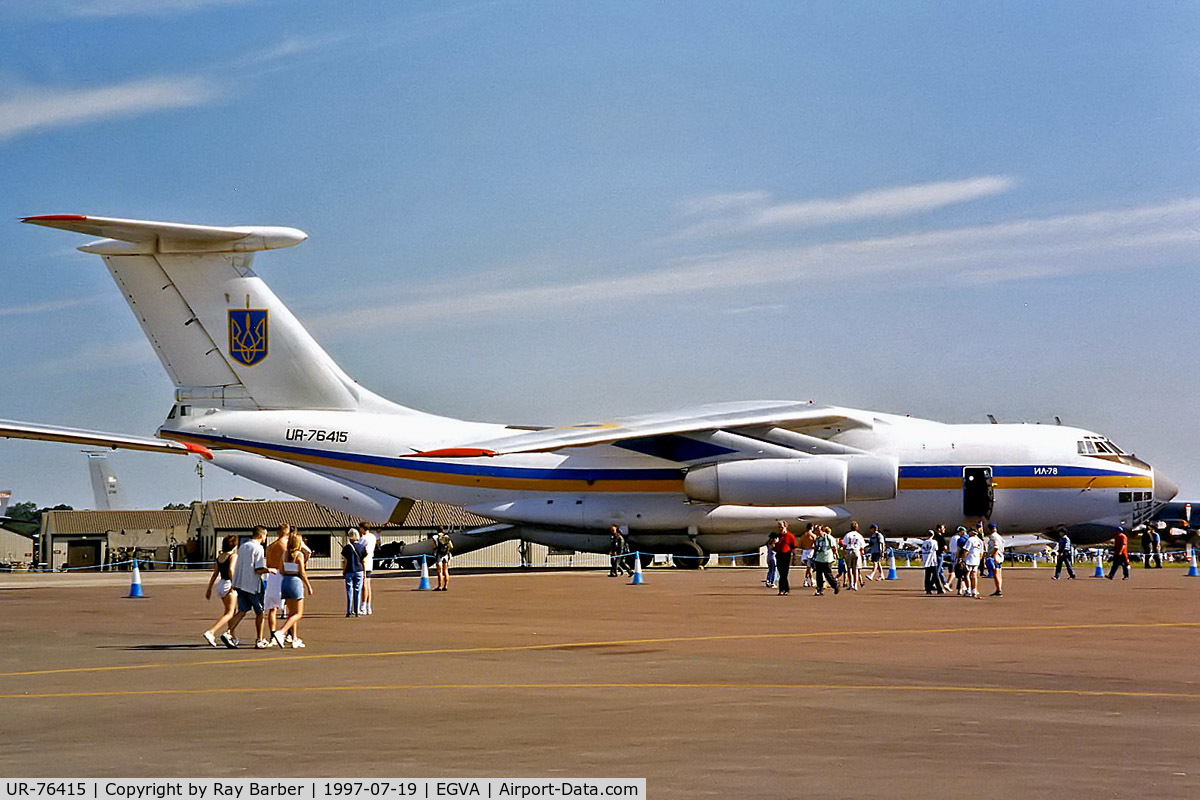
994 546
930 557
973 554
247 580
366 546
853 544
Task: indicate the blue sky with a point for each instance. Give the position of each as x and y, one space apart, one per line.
537 212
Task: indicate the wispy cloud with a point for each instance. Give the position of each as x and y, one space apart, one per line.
32 109
100 356
744 212
1139 238
50 306
128 8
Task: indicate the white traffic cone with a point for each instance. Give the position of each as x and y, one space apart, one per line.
135 586
424 586
638 580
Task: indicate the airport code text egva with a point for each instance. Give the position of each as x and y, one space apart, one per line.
245 788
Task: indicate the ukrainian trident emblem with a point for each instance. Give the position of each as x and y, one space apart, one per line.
248 335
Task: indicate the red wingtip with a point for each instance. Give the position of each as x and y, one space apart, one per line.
55 218
454 452
199 450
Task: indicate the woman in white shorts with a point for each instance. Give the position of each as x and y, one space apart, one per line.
222 576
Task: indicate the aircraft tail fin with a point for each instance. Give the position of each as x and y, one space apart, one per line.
222 335
107 494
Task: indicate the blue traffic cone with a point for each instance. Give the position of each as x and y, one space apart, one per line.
638 580
892 576
1192 572
424 586
135 586
1099 573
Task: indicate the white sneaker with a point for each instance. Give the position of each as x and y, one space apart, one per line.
297 643
208 637
261 644
277 639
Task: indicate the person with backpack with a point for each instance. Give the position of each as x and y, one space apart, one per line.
824 554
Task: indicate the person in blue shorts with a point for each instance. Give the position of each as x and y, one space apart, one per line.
248 575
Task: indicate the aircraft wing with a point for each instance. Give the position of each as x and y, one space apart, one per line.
47 433
725 416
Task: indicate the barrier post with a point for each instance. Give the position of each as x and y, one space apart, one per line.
892 576
135 585
638 580
1099 573
1034 560
424 586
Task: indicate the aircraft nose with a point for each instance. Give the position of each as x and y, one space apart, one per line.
1164 488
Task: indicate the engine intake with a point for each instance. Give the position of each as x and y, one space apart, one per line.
816 481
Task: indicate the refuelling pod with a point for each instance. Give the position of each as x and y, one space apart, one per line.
816 481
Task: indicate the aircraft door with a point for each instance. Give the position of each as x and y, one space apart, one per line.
978 497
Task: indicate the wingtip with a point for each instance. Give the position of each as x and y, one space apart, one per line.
55 218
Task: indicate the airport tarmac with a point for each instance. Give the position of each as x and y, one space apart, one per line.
707 684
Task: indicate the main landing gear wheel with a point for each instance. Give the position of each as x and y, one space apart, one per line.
689 555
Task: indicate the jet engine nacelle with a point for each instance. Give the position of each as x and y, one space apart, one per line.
816 481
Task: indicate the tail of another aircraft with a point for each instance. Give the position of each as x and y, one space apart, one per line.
222 335
107 494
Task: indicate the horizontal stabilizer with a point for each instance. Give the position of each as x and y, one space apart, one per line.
170 237
116 441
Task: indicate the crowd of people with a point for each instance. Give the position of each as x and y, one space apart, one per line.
952 563
272 581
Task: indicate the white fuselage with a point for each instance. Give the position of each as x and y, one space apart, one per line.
1039 478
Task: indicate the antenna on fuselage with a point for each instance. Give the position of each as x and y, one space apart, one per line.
1057 420
992 419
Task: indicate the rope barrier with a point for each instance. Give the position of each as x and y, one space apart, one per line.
1087 554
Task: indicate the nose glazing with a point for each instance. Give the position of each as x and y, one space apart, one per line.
1164 488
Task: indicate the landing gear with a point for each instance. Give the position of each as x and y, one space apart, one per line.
689 555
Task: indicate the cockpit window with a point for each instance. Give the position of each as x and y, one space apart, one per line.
1098 446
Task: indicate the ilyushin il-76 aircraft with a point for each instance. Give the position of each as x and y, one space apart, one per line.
256 395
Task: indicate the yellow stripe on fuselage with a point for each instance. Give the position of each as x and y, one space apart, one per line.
1036 482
